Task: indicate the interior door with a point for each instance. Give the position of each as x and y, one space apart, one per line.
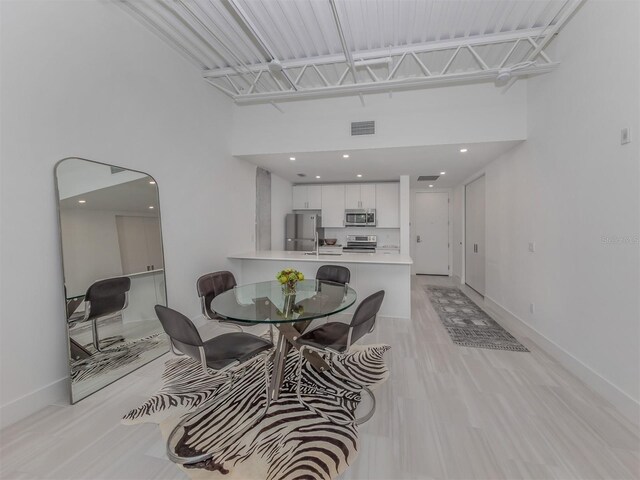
132 239
432 233
475 235
154 245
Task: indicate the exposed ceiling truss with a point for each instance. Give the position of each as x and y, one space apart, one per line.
244 52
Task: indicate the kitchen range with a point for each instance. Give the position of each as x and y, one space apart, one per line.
361 244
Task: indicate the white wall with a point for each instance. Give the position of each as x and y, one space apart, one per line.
461 114
568 188
281 204
85 79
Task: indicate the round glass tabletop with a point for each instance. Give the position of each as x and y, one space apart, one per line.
266 302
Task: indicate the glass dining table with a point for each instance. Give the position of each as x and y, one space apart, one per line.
291 313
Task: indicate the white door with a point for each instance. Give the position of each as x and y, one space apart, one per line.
333 206
368 196
431 233
132 239
154 242
352 196
474 235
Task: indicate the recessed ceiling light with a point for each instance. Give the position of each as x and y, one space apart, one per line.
317 176
463 150
359 175
151 207
346 155
292 158
82 201
443 173
152 182
430 186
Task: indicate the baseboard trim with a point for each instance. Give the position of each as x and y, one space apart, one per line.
56 392
627 406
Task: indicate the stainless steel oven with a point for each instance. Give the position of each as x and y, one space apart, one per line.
361 244
360 218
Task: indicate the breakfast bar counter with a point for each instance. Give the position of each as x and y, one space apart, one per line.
370 272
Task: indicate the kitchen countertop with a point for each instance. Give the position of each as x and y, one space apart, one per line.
378 257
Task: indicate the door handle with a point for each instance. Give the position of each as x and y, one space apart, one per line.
418 240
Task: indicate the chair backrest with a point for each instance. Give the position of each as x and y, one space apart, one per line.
107 296
181 330
334 273
364 318
210 286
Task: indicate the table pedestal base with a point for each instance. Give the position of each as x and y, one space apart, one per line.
287 339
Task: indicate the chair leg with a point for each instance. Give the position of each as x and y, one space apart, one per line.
326 416
174 457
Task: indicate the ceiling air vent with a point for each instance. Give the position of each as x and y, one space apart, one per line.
363 128
428 178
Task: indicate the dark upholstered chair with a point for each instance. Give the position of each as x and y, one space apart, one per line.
211 285
335 338
334 273
104 298
227 354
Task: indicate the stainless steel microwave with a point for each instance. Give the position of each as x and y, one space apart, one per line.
360 218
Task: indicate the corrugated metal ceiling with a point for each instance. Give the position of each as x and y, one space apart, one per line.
219 37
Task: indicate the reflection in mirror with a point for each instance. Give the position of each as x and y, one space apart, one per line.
113 271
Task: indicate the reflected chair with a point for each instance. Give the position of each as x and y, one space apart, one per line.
334 273
336 338
210 286
228 354
105 298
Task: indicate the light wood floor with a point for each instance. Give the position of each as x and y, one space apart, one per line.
447 412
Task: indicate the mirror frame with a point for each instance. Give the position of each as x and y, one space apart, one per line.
64 279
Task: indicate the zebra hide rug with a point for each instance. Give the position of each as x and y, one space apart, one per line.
290 442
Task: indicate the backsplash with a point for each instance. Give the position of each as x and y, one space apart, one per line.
386 236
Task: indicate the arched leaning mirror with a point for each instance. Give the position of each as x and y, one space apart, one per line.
113 266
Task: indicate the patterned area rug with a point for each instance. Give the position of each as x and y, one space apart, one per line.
290 442
115 357
467 324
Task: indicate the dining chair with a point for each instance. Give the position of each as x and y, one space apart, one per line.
226 354
336 338
334 273
209 286
105 298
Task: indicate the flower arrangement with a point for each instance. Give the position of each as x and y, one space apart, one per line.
288 278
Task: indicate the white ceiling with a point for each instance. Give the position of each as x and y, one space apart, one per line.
128 197
381 164
319 47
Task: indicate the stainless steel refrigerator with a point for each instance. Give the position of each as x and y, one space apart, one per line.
300 230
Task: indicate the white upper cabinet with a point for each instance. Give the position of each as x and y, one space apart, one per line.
352 196
314 197
333 206
299 197
368 196
388 205
307 197
360 196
